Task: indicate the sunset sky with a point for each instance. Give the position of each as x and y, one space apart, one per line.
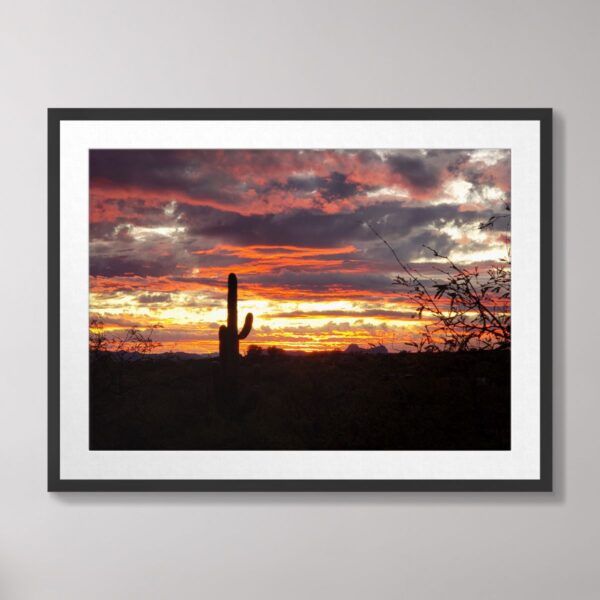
167 226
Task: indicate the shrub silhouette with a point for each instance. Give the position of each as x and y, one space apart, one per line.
110 354
275 352
468 309
254 351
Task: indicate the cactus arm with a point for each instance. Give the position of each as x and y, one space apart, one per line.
247 327
222 340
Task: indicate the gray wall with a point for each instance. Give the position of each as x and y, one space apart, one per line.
259 53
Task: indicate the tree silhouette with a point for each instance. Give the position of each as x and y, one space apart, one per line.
132 341
468 309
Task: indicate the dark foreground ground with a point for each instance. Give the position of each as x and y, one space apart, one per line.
315 402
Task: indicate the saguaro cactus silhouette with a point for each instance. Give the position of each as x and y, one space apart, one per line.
229 340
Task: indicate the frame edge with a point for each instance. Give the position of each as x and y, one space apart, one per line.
56 484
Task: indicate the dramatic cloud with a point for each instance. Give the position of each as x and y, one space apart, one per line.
416 169
297 226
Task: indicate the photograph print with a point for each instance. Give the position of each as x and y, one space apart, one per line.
300 299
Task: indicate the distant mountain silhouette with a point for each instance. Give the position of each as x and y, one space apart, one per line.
356 349
134 356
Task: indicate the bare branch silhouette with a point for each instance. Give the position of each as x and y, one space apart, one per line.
468 309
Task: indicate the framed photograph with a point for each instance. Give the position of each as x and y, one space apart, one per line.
300 299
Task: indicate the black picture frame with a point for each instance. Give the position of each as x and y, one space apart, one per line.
58 115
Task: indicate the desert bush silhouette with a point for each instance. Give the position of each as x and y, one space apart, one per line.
467 309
